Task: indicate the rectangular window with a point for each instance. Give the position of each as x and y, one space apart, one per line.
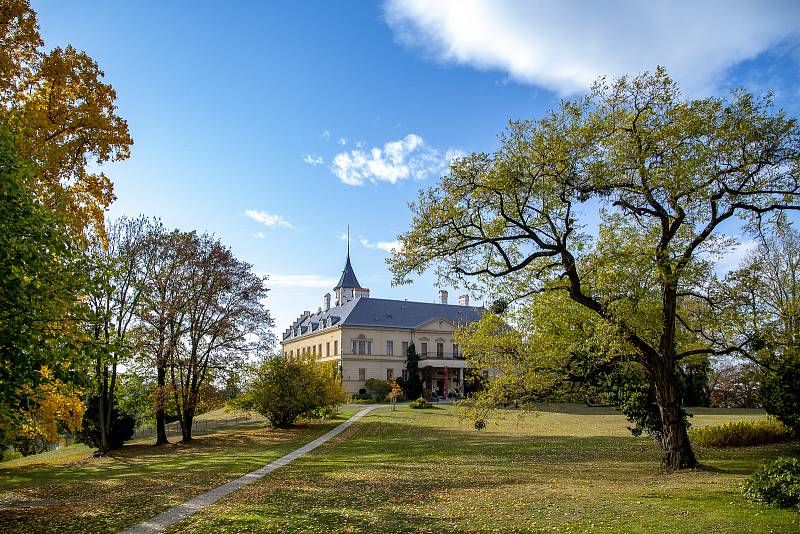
320 350
455 350
405 348
362 374
362 346
440 350
424 349
369 347
328 348
314 350
355 345
336 347
390 348
390 374
291 353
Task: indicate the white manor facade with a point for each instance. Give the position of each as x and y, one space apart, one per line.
368 337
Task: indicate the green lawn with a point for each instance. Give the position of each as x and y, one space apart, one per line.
69 491
570 468
567 468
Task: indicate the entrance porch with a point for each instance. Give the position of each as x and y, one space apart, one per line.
443 379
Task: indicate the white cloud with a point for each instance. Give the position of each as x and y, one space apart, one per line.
565 46
300 280
326 135
405 158
388 246
268 219
342 141
313 160
259 235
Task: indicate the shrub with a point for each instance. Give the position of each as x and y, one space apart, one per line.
741 433
780 396
420 403
10 454
379 388
776 484
286 388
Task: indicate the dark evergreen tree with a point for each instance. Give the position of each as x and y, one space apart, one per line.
412 386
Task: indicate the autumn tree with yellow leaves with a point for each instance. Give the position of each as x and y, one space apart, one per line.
64 117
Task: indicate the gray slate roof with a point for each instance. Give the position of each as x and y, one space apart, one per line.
384 313
348 278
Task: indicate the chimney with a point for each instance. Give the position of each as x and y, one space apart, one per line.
463 300
327 298
442 296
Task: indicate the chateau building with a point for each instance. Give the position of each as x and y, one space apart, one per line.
368 337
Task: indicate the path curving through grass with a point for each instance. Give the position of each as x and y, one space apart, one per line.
192 506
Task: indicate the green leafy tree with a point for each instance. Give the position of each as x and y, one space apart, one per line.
779 393
663 174
286 388
120 269
42 277
760 310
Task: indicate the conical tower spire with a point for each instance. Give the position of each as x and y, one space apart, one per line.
348 279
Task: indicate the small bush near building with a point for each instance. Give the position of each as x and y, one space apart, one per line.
378 388
420 403
776 484
741 434
285 389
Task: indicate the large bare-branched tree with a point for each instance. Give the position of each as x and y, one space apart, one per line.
223 314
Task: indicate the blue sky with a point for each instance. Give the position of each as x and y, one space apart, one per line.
273 126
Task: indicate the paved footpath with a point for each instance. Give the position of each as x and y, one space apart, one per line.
192 506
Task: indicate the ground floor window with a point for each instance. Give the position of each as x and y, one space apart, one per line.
362 374
336 347
390 374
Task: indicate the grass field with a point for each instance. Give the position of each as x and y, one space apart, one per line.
69 491
566 468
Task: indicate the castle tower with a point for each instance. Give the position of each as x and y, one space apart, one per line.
348 287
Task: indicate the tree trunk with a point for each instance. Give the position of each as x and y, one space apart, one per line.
161 428
187 417
102 428
677 449
186 427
